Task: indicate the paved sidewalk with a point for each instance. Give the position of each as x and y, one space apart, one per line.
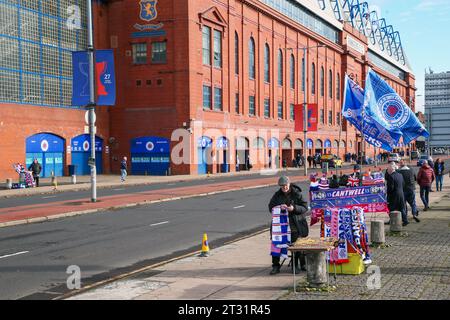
416 266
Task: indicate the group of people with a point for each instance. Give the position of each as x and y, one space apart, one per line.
401 184
314 161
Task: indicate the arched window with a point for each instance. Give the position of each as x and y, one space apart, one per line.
267 63
292 66
280 67
322 82
338 86
330 84
236 53
313 79
251 58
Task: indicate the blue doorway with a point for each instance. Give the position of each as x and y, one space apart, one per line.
150 156
204 154
81 151
49 150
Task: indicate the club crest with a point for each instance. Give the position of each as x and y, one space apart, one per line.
393 110
148 10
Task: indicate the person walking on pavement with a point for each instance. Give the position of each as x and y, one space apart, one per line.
439 168
36 169
310 160
409 189
394 190
290 198
425 179
123 169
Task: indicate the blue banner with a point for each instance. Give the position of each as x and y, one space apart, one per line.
105 78
156 145
353 103
82 143
388 116
80 83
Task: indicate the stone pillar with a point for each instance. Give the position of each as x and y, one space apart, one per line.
395 221
377 235
316 269
8 183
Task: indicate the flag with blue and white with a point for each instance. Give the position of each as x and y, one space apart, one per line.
389 114
353 103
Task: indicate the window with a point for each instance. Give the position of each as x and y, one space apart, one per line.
303 75
322 82
292 71
280 67
267 108
217 49
139 53
159 52
338 86
236 53
280 110
236 103
330 117
313 79
330 84
338 118
251 58
267 63
291 112
218 99
322 116
251 107
206 97
206 45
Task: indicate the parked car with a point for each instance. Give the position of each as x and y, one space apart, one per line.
415 155
394 157
424 158
333 161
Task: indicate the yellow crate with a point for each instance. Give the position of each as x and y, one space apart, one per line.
354 266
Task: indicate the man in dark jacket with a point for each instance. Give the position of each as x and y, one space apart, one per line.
36 169
290 197
394 189
409 189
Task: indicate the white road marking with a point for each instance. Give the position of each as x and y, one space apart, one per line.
119 189
48 197
159 223
171 184
13 254
239 207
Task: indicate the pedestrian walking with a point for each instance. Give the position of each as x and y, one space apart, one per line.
36 169
394 189
409 189
123 169
289 197
439 168
425 179
310 160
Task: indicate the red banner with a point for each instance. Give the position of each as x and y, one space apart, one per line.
313 115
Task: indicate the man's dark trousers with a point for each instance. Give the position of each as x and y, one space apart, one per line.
410 198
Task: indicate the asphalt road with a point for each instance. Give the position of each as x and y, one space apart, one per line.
77 195
34 258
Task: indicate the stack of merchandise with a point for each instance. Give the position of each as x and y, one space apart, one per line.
26 179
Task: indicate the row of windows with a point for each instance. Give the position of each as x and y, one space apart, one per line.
252 70
159 52
218 106
216 48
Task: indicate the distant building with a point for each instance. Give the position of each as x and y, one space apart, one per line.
437 108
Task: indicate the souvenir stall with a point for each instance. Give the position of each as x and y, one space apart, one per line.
340 205
26 179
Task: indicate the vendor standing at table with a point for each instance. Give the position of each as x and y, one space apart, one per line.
290 198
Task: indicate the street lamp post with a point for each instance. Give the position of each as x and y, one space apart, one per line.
305 104
91 106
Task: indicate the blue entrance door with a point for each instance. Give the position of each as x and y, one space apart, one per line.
204 145
150 156
49 150
81 152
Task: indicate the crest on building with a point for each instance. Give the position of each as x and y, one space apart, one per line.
148 10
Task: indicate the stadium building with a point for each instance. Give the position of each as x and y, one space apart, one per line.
227 71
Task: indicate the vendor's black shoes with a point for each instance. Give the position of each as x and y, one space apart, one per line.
405 224
275 270
416 219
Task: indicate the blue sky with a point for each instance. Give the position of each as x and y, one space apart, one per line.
424 27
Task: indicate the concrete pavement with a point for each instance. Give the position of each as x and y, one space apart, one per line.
415 266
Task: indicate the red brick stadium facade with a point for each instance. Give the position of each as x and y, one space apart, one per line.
178 89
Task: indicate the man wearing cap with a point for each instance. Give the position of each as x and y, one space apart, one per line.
290 198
